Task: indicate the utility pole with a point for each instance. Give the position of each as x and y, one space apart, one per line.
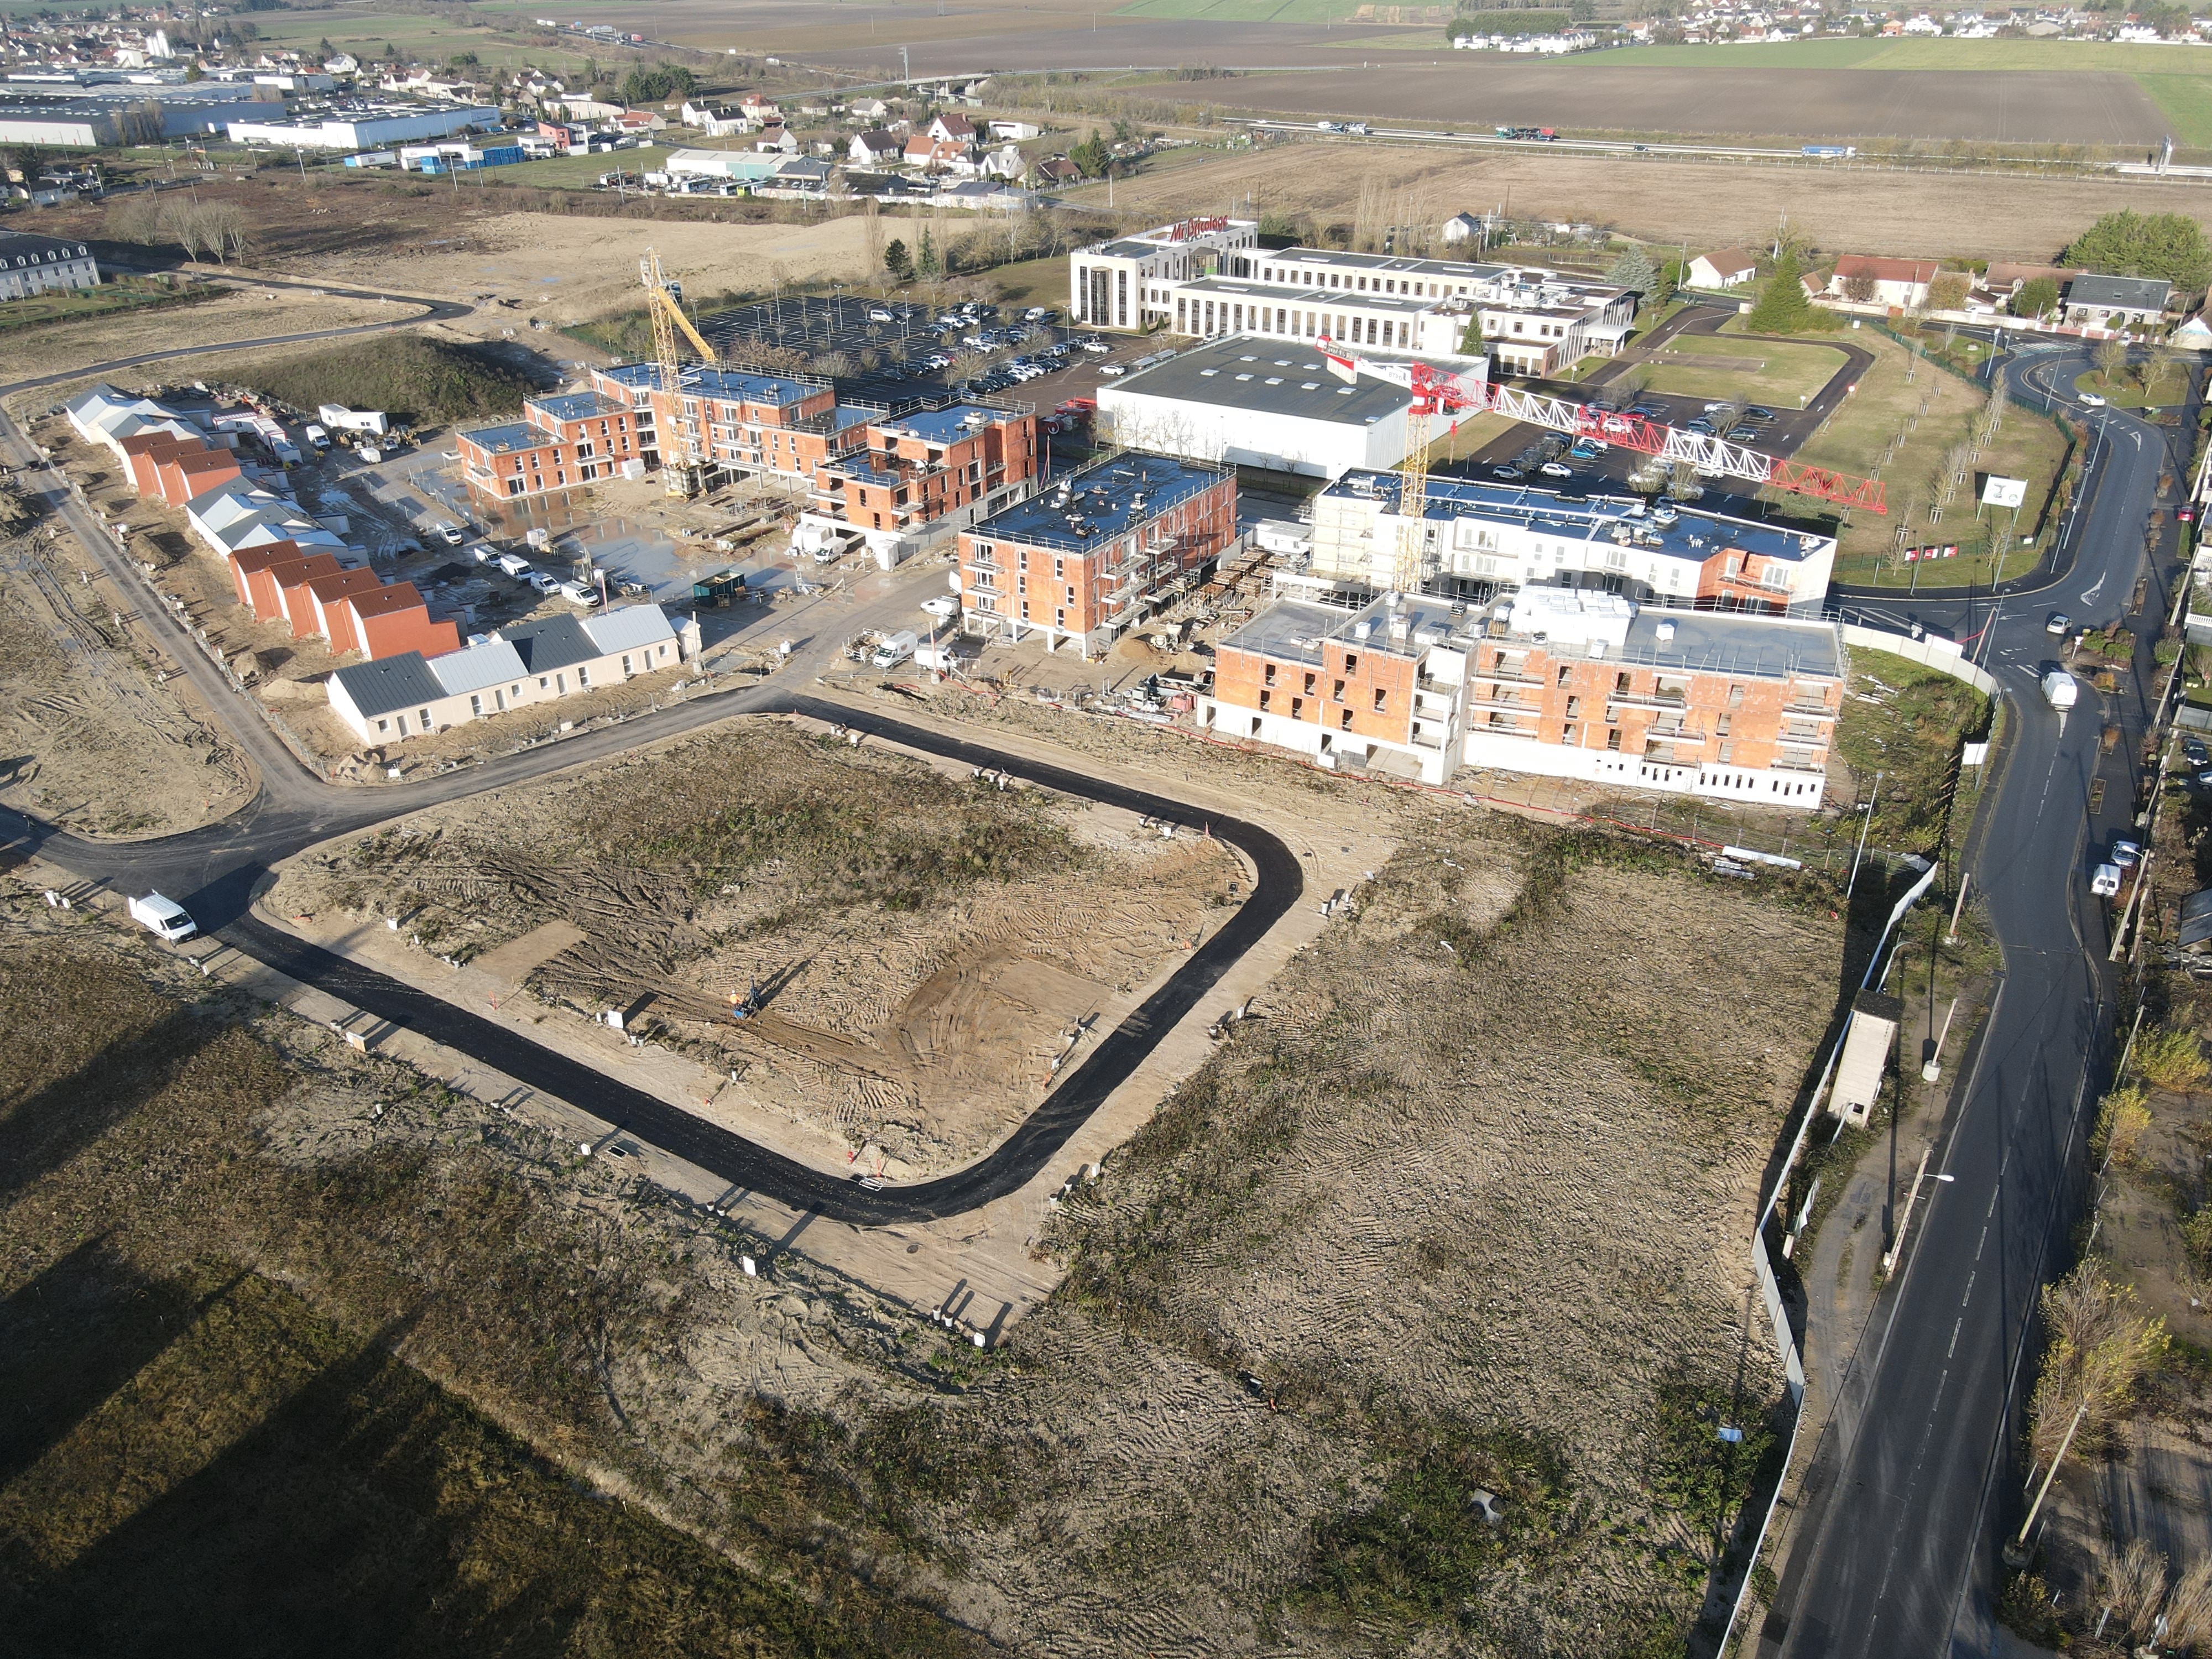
2018 1547
1873 796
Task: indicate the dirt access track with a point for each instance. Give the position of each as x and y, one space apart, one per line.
1279 883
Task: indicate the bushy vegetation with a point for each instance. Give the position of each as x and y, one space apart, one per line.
2172 1057
2126 243
419 381
1906 722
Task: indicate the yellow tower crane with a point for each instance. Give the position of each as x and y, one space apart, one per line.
684 462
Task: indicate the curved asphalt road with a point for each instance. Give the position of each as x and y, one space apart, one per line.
1918 1480
215 872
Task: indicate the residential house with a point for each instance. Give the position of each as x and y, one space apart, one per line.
414 693
2117 302
32 263
875 149
1866 279
950 127
1723 268
1014 132
868 109
1463 227
1057 170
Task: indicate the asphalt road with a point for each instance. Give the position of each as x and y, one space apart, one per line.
216 871
1918 1477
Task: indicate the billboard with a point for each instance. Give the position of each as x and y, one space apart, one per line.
2003 492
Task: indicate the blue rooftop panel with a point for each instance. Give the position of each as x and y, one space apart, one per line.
1105 500
944 426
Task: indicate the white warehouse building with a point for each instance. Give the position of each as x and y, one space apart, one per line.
369 128
1267 404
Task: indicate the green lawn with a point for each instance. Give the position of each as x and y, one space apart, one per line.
2125 391
2059 57
1758 371
124 293
1033 283
2185 101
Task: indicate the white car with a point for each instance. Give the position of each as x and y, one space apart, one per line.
1112 369
542 583
450 535
944 607
1553 470
881 316
2106 883
2089 400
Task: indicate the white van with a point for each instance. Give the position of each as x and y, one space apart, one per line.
2106 883
164 916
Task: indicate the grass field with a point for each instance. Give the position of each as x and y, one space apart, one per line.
2125 391
366 32
2059 57
1242 11
123 293
1762 371
2187 100
1901 430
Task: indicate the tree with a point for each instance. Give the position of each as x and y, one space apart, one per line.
1860 290
1783 309
1948 292
1471 342
1634 270
926 264
2111 357
898 261
2130 244
2038 298
1092 155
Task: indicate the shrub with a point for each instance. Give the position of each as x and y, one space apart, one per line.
2172 1057
2122 1117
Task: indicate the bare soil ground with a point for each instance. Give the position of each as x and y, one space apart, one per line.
924 945
90 740
57 348
1706 204
1439 1222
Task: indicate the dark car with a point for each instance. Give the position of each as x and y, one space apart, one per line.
1755 413
1701 426
1742 434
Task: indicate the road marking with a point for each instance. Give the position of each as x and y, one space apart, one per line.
1955 1328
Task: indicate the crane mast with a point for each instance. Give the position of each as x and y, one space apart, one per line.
683 462
1437 392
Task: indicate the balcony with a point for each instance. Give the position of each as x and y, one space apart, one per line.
1804 736
1792 763
1647 700
1809 711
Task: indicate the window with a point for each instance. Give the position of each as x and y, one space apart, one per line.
625 664
1268 675
1735 696
1613 738
1345 722
542 682
1351 662
1564 672
1620 683
1265 697
1297 709
1336 692
1381 701
383 726
475 706
423 715
583 679
1574 706
1312 680
1722 724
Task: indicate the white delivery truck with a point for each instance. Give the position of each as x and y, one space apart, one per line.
164 916
2059 689
895 648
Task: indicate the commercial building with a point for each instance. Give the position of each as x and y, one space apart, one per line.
1115 284
1258 403
1558 682
88 114
1207 278
1098 551
371 128
1480 539
414 694
31 263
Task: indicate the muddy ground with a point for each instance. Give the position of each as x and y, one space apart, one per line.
919 948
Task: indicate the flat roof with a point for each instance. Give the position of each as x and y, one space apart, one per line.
1697 534
1295 630
1105 500
944 426
579 405
1734 642
1392 264
1271 377
1276 293
509 435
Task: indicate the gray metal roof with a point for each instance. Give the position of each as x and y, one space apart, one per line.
1272 377
2119 293
553 642
2197 920
1722 643
628 627
390 683
477 667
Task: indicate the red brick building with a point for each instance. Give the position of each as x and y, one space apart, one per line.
1098 551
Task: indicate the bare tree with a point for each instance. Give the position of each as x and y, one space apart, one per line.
2111 356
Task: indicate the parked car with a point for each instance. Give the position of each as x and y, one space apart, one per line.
879 315
1508 473
542 582
1700 425
2126 854
1741 434
578 594
452 535
2195 752
1756 413
1587 450
1556 470
514 565
484 553
164 916
2106 883
943 606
